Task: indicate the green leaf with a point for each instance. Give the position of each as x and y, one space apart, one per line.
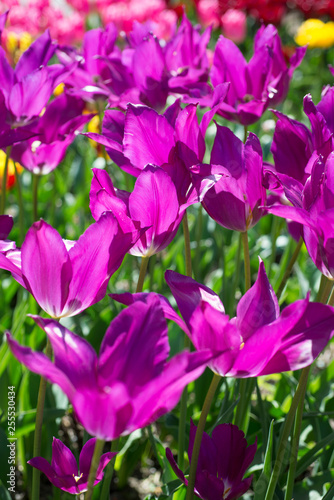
262 482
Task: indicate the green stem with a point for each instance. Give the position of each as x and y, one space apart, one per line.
325 289
35 181
187 245
274 234
236 278
93 467
199 433
289 268
199 229
286 432
4 181
152 442
244 238
183 418
245 133
38 429
142 272
105 493
184 397
242 415
20 202
295 445
331 298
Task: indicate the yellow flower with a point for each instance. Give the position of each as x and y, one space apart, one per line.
11 170
17 43
315 33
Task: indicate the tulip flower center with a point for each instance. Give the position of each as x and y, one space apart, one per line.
248 98
77 478
226 492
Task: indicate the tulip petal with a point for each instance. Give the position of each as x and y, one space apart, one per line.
74 356
188 294
46 267
163 393
63 461
39 363
258 307
94 258
155 204
140 324
148 137
169 313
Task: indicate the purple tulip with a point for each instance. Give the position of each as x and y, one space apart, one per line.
186 59
55 131
127 386
255 85
27 89
63 471
66 277
93 77
313 208
295 147
173 141
222 463
153 204
259 340
236 200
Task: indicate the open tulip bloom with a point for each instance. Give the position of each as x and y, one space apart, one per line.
222 462
63 470
262 82
259 340
27 88
173 141
295 147
236 200
313 208
153 204
66 277
130 384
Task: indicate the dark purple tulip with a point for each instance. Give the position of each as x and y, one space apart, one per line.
27 88
255 85
236 200
66 277
55 131
222 463
259 340
130 384
63 470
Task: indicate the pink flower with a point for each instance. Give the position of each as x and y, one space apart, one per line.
234 25
208 12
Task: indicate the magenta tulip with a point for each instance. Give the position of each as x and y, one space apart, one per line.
259 340
127 386
66 277
236 201
63 470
